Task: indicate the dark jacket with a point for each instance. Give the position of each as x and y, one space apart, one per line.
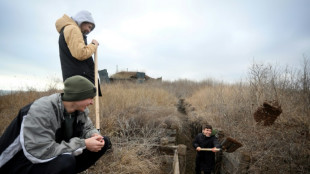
71 66
205 160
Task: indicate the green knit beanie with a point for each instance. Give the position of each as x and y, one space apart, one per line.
78 88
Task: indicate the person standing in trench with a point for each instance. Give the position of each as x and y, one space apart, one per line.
205 160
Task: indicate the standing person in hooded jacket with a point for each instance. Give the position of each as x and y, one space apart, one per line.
205 160
54 134
75 53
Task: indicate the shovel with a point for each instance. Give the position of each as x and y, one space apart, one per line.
228 145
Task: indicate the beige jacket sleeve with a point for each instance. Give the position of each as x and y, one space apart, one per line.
76 45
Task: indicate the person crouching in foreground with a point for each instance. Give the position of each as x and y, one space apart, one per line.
205 160
54 133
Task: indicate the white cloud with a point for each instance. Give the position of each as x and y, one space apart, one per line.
115 42
26 82
173 39
152 23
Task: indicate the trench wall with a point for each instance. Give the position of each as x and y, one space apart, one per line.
236 162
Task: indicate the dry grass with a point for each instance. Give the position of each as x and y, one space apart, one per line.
133 115
10 105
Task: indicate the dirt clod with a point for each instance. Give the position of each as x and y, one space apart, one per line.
268 113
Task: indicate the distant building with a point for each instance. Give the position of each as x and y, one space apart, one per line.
104 76
139 77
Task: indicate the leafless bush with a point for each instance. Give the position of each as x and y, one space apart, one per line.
262 80
304 79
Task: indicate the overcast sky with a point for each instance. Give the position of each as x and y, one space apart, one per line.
172 39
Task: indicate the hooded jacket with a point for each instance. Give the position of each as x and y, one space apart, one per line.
39 132
75 53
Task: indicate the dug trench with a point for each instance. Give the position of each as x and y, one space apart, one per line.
236 162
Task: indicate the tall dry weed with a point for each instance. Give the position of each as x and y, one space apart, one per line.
133 115
11 103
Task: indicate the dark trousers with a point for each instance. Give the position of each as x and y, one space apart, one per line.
198 168
62 164
199 172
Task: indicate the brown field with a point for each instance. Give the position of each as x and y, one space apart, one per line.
132 115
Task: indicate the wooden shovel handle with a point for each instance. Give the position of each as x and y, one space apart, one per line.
97 93
209 149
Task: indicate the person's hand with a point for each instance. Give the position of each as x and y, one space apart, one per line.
99 138
94 143
95 42
214 149
95 134
198 149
